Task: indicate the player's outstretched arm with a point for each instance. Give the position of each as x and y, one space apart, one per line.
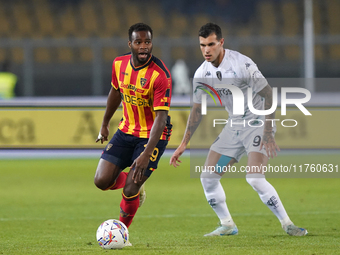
113 101
194 120
141 163
268 140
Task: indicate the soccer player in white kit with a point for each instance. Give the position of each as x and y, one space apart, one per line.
237 138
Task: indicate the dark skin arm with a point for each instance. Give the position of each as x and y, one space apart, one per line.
194 120
268 140
113 102
141 163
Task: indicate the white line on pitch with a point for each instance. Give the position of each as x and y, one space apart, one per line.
171 216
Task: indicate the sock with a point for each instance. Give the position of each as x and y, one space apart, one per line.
228 221
215 195
268 195
128 209
286 221
120 181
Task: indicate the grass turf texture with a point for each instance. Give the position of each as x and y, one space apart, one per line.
53 207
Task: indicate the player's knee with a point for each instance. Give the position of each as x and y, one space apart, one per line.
209 181
100 183
130 190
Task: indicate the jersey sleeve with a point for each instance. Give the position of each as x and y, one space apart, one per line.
254 77
197 92
162 93
114 80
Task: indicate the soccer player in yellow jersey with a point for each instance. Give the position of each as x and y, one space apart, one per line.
142 83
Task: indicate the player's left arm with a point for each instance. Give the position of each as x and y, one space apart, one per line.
141 163
161 105
268 140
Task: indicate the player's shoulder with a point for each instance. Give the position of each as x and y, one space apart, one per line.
160 66
237 57
123 57
242 64
202 70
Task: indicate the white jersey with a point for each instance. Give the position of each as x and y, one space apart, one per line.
235 69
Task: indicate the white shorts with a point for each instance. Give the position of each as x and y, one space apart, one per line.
235 143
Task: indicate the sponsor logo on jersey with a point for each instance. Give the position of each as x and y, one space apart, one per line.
224 92
131 87
137 101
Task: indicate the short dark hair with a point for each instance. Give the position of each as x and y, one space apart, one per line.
210 28
139 27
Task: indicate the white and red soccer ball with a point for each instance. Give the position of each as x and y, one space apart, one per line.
112 234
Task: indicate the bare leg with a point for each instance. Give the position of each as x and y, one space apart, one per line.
106 174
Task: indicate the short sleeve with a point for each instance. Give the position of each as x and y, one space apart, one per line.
255 78
114 81
197 92
162 93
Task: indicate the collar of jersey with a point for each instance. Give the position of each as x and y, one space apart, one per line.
142 66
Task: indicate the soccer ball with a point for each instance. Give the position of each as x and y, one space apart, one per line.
112 234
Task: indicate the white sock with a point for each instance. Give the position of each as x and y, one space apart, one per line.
285 222
215 195
227 221
268 195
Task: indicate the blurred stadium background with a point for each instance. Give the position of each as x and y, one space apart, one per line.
65 47
62 50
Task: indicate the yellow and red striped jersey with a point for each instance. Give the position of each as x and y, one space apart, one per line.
144 90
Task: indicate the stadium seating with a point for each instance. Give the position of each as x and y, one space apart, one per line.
5 25
107 18
155 16
268 26
333 11
23 20
318 13
291 26
111 23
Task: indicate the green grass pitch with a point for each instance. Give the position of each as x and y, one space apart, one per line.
52 207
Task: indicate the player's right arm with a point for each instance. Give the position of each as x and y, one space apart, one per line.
194 120
113 102
268 140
